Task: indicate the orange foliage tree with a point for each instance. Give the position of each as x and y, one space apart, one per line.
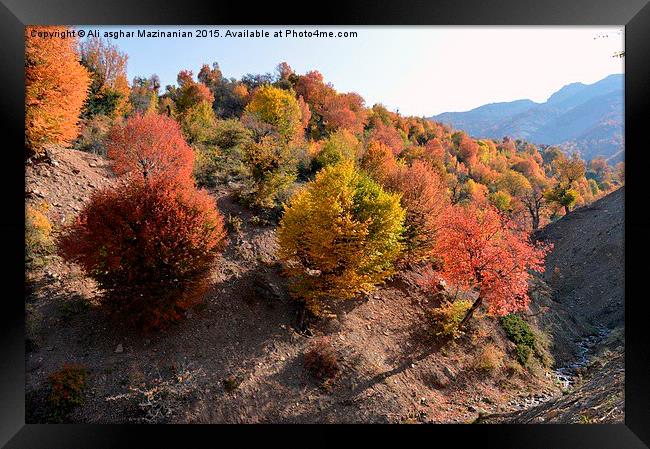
149 245
481 250
56 87
379 161
389 136
424 198
189 92
149 145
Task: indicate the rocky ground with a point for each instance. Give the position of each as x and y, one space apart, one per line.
239 357
596 393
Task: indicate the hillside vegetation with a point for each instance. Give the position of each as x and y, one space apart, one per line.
271 250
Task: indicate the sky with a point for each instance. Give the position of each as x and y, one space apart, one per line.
417 70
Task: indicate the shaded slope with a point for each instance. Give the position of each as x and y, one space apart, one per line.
585 273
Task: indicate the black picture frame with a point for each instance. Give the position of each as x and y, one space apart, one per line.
634 14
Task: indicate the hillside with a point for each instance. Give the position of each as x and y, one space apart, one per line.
582 312
578 117
586 273
239 356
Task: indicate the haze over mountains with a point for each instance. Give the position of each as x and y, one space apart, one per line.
583 118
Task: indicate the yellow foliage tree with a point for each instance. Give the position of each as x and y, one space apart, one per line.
279 108
339 236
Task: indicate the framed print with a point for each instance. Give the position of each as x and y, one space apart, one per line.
391 214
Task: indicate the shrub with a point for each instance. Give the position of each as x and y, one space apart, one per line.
523 353
206 165
150 145
321 359
231 133
519 333
339 236
164 400
38 230
271 170
94 134
149 245
67 387
234 223
448 316
488 359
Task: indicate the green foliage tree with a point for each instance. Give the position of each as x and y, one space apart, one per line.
198 123
339 146
271 170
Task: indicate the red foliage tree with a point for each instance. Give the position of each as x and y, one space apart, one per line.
151 145
481 250
330 110
149 245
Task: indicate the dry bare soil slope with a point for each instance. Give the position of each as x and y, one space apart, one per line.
239 357
584 315
586 274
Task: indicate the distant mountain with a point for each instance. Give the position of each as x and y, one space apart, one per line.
585 118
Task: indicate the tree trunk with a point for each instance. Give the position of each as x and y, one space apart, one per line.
535 222
470 312
566 210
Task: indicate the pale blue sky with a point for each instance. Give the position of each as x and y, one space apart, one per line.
420 70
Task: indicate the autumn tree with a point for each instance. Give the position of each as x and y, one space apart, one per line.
271 169
344 111
149 245
468 150
339 146
534 199
312 88
481 251
569 171
379 161
144 94
423 196
230 95
189 92
389 136
56 87
339 236
109 89
149 146
198 123
278 108
620 172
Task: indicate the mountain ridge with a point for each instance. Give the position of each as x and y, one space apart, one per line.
582 118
